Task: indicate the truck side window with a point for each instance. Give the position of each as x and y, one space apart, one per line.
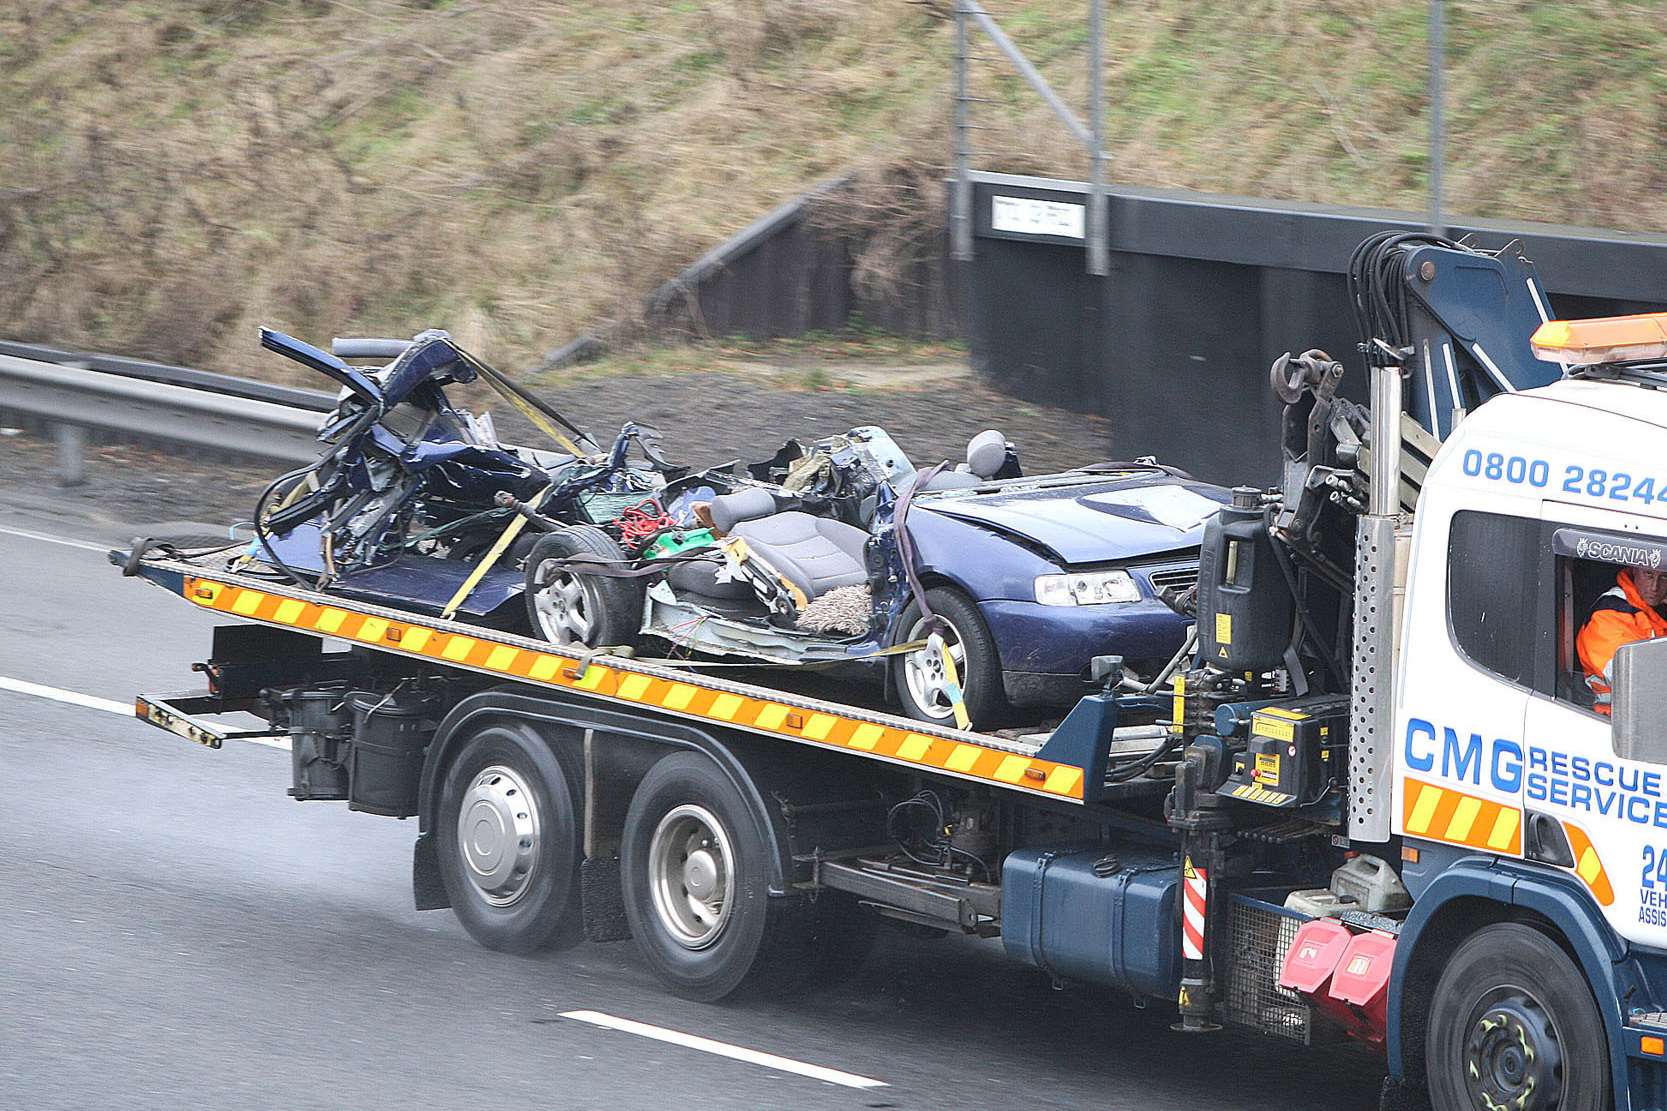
1580 582
1493 593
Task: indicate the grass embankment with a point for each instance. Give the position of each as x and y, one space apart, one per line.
174 172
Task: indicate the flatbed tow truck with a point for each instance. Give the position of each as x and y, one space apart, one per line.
1370 800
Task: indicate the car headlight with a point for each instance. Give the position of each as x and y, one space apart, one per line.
1087 588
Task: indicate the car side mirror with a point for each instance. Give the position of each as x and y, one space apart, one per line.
1638 720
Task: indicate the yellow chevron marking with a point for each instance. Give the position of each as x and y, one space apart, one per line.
1590 866
1504 829
1012 769
415 637
371 630
914 747
1458 829
866 736
1063 780
1059 780
633 686
1428 799
819 726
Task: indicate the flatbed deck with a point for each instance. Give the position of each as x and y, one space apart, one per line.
995 761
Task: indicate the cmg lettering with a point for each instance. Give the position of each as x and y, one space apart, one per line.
1463 756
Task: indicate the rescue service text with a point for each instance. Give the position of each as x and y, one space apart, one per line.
1610 789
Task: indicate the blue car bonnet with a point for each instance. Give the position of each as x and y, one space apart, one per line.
1091 518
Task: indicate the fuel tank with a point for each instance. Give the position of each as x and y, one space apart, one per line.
1099 915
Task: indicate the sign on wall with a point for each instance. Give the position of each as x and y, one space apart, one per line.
1031 216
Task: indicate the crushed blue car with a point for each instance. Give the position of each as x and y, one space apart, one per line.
970 593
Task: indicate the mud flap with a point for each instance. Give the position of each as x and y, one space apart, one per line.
604 899
427 889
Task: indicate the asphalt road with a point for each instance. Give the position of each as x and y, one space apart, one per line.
174 931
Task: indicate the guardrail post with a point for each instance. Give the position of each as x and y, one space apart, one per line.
71 440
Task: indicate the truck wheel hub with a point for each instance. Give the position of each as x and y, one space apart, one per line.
700 874
689 870
1513 1060
497 834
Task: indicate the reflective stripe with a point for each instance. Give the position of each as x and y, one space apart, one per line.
637 685
1443 814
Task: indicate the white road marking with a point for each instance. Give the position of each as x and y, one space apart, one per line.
91 702
74 698
86 545
723 1049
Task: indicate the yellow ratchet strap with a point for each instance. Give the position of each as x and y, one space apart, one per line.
952 679
487 562
543 423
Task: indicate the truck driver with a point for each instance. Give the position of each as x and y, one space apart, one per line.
1626 612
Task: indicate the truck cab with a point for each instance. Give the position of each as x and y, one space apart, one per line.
1520 792
1536 504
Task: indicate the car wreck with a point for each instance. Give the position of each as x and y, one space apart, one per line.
972 593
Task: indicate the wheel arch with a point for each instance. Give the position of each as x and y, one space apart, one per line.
1480 891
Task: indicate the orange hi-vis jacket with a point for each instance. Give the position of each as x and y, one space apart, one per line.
1619 617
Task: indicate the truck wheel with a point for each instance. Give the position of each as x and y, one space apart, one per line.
508 841
577 610
695 872
1513 1024
919 677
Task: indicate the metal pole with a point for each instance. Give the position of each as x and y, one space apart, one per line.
72 454
1097 154
1385 490
1027 71
1438 50
960 215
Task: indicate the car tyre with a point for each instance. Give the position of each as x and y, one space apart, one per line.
576 610
917 676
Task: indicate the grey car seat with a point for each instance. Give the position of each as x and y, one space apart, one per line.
816 554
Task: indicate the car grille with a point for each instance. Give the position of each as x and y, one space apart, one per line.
1173 578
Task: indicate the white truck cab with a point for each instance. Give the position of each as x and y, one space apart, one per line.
1534 504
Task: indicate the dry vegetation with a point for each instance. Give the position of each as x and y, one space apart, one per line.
174 172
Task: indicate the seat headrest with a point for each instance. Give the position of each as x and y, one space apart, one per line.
749 504
986 452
